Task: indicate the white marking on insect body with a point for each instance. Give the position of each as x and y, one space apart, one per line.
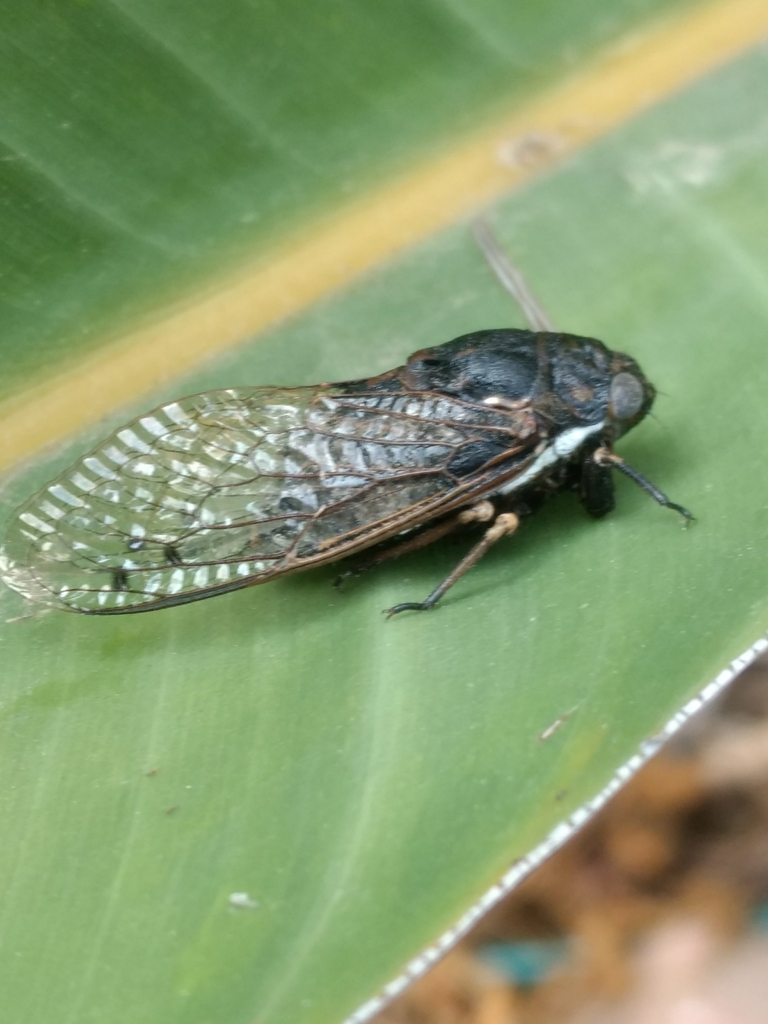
132 440
173 504
200 578
498 402
64 495
83 482
564 444
97 466
38 524
343 480
175 412
144 468
114 454
200 471
243 569
177 581
52 510
153 582
222 572
153 426
179 467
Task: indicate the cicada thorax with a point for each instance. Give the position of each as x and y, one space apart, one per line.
229 488
563 378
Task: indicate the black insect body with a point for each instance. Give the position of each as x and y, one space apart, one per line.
228 489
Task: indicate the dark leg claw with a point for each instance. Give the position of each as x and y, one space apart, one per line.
504 524
342 578
409 606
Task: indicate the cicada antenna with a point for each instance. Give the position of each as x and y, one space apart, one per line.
656 418
509 277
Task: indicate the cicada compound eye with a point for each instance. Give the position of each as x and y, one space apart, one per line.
627 396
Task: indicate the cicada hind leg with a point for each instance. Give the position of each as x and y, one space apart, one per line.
503 525
414 541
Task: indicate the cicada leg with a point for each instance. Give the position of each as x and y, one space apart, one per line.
402 547
504 525
605 457
596 487
482 512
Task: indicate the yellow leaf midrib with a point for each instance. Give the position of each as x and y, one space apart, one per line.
499 156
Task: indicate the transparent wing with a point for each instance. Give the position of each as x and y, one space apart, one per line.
229 488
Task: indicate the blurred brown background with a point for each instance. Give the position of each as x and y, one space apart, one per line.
656 913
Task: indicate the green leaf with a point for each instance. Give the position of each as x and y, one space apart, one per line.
364 782
148 144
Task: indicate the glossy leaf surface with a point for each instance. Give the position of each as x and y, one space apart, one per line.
148 144
362 781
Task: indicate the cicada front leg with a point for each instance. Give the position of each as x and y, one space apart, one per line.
607 459
597 492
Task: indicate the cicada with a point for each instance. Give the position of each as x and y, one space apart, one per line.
231 488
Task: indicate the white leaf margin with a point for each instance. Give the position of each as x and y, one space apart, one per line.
559 835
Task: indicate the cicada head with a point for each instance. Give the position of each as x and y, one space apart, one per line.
581 381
